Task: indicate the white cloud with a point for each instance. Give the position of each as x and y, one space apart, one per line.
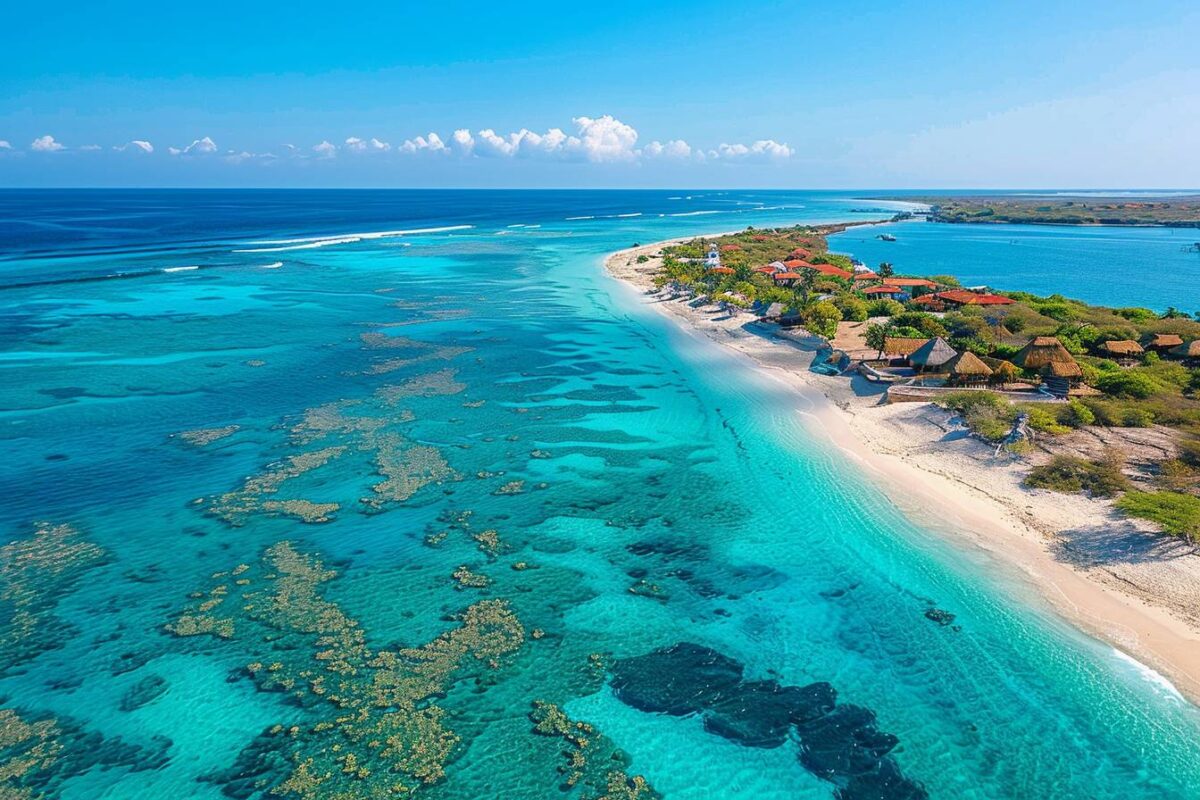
234 157
462 142
676 148
4 145
357 145
597 140
138 144
489 143
432 143
325 149
606 139
201 146
90 148
762 150
45 144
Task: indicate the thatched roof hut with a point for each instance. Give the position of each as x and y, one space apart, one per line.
1062 369
901 346
1164 341
932 354
1190 351
1122 348
966 367
1043 351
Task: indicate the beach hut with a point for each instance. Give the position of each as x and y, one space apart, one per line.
1046 356
1059 376
1162 342
1040 351
966 369
900 347
1125 352
932 355
1190 352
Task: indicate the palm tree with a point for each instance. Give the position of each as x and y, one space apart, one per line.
885 270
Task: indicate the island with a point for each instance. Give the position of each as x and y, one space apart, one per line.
1059 435
1166 211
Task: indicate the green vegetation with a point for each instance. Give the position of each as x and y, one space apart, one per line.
1130 378
1181 212
1069 474
1175 513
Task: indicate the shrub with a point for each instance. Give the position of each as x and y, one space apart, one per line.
1127 384
1077 415
1175 513
987 414
851 307
1043 420
822 318
1069 474
884 308
927 324
1137 418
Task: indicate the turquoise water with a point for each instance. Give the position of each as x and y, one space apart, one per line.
1111 266
645 489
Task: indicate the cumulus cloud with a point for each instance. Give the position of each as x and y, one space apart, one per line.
762 150
325 149
198 146
606 138
140 145
431 143
676 148
45 144
4 145
462 142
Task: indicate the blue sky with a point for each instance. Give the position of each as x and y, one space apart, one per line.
852 94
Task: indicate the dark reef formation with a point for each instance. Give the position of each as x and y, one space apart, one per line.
839 742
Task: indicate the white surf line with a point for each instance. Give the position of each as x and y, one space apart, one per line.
1152 676
310 242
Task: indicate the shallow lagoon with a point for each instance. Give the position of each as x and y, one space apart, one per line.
643 488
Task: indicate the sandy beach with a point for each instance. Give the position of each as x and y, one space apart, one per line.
1109 575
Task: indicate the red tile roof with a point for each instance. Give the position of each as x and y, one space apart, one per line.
968 298
721 270
911 282
883 290
865 276
788 276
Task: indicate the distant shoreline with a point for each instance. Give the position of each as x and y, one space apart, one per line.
1077 211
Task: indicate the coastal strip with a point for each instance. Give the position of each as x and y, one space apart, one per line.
1147 611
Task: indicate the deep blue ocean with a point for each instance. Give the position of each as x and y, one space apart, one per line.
316 493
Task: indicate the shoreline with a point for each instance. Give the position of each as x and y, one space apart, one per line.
1146 609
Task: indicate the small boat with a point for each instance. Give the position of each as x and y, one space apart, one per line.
886 237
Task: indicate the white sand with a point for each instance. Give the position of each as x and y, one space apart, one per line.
1110 576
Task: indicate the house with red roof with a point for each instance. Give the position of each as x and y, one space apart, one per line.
885 292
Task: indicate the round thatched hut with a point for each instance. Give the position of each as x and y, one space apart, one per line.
932 356
967 368
1043 351
1123 351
